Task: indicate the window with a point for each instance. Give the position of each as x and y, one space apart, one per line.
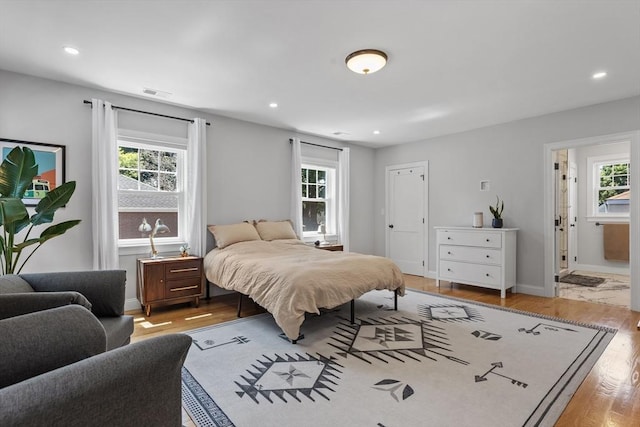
611 186
150 191
318 199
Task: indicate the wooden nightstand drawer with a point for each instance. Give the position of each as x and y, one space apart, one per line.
179 270
182 288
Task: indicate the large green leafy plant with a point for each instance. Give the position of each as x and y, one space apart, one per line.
17 172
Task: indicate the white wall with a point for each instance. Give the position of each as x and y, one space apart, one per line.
511 157
248 176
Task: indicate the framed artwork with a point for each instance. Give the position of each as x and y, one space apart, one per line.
50 159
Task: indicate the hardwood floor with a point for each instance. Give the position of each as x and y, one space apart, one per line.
609 396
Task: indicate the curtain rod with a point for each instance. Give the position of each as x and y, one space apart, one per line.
317 145
147 112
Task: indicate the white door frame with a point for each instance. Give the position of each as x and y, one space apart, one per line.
425 209
634 215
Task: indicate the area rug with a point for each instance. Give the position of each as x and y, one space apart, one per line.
437 361
578 279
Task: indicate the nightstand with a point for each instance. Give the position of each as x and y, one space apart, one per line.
166 281
331 247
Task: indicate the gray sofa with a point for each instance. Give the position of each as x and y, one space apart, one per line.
100 291
55 372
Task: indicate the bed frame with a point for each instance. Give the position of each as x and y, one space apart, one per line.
353 309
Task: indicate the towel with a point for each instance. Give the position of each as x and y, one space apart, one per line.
615 239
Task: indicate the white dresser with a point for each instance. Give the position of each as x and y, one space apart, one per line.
477 256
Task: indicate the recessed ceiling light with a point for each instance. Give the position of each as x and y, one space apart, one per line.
376 132
71 50
600 75
273 105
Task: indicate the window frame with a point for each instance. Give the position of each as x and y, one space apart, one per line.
331 197
593 181
143 140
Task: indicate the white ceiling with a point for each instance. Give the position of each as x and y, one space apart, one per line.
453 65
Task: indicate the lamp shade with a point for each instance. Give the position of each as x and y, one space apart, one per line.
366 61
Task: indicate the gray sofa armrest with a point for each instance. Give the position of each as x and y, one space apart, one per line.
46 340
105 289
17 304
135 385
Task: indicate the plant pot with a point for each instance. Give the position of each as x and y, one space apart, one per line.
496 222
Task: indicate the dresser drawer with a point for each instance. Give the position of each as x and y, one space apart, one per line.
182 288
183 269
471 254
470 238
487 275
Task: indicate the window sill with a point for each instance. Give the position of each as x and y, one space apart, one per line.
145 249
608 219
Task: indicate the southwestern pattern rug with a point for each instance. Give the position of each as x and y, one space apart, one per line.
437 361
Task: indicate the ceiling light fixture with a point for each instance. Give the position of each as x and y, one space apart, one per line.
600 75
376 132
71 50
366 61
273 105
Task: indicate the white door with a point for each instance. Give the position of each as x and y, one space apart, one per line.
573 216
406 218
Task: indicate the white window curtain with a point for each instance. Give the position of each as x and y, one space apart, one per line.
104 162
296 187
343 198
197 187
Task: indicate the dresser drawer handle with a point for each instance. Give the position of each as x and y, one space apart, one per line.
488 240
449 238
183 270
184 288
488 256
487 274
448 269
449 253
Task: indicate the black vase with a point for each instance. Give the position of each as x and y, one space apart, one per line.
496 222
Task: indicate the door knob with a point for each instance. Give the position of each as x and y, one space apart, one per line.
390 225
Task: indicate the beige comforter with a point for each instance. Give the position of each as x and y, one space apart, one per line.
290 278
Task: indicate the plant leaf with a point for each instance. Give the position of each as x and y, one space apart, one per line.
17 172
12 210
54 199
21 246
57 230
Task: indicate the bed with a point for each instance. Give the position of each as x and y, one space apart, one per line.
290 278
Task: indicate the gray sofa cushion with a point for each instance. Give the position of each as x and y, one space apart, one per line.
103 288
118 329
43 341
13 284
23 303
134 385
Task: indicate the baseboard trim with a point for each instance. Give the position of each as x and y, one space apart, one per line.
132 304
530 290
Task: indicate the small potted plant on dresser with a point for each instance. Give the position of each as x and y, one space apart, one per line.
496 211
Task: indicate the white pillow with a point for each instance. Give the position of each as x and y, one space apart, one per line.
275 230
226 235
